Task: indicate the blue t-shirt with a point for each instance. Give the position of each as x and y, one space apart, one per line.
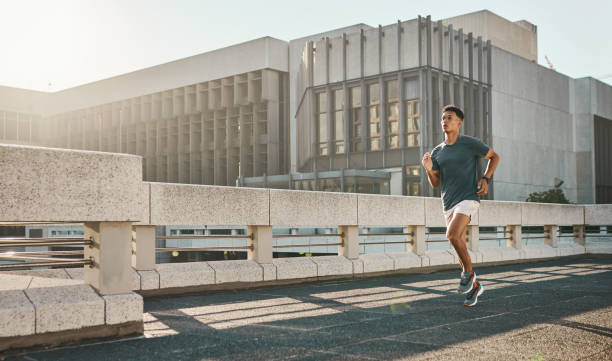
458 166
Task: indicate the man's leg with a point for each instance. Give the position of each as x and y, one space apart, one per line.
455 233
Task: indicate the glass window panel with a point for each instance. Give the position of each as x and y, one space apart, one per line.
322 127
374 144
321 102
338 99
339 147
392 91
322 148
373 93
413 171
339 125
394 141
411 88
355 97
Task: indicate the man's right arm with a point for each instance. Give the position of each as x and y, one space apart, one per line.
432 175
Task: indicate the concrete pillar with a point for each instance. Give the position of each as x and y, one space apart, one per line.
579 237
473 237
516 237
550 235
143 247
419 244
111 273
350 240
261 242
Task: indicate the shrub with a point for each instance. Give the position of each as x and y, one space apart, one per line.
549 196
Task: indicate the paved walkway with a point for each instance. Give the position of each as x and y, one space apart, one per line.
559 310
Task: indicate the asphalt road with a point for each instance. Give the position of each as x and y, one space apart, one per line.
560 310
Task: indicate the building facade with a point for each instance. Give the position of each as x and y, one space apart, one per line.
349 110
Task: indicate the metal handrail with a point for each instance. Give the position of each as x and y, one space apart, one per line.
198 249
10 267
307 235
308 245
386 234
394 242
249 236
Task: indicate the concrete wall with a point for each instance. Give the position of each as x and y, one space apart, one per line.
590 98
257 54
296 52
532 128
46 184
518 37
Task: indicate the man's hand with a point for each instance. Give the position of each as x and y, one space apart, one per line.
427 162
483 187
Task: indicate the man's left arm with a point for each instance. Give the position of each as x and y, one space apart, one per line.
483 184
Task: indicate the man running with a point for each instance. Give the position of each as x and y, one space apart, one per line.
454 164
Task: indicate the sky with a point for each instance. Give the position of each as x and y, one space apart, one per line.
58 44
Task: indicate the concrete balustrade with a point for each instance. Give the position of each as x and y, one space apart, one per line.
119 211
105 192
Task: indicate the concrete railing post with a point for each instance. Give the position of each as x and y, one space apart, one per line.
515 239
261 243
143 247
473 237
418 246
550 235
350 242
110 273
579 234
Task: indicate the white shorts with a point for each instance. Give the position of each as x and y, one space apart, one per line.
467 207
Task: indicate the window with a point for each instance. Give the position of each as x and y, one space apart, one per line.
321 116
413 123
339 121
355 95
413 171
413 188
412 111
392 109
413 183
373 117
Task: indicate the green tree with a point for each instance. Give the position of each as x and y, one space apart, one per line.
549 196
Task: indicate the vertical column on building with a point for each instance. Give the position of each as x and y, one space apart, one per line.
451 70
480 125
271 95
429 96
364 99
382 122
346 110
440 76
470 113
460 48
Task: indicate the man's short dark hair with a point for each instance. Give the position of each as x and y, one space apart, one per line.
453 108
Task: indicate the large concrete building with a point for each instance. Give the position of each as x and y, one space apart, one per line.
352 110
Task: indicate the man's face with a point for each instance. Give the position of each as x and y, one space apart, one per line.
450 122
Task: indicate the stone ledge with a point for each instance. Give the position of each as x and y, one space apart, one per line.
149 280
121 309
377 262
294 267
332 266
17 314
185 274
405 260
435 258
237 271
592 249
542 251
66 307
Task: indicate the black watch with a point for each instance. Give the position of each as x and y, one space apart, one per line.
487 179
